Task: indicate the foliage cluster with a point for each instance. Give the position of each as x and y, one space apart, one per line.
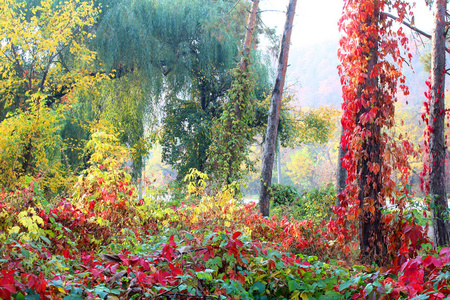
114 245
315 205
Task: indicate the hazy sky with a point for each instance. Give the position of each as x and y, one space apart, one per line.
316 20
315 27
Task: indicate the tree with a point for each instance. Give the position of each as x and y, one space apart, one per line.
274 112
233 129
370 74
437 144
184 53
42 59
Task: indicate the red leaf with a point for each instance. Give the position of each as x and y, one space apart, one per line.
236 235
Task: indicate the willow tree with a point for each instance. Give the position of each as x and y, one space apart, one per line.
184 52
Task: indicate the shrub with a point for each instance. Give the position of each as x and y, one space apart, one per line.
315 205
281 194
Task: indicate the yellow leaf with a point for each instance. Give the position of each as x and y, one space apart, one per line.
304 296
15 229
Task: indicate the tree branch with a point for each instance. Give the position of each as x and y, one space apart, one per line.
412 27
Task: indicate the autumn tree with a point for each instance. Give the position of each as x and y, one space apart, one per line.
370 75
232 130
42 59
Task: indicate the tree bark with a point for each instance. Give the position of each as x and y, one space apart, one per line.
372 245
341 180
437 124
278 162
251 24
274 112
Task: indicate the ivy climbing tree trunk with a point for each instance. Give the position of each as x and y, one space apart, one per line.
232 137
370 183
437 124
251 24
274 113
371 62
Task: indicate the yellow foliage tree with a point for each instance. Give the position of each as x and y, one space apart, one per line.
43 58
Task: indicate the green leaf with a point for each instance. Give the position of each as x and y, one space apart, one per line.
293 285
348 283
369 288
32 297
259 286
45 239
25 253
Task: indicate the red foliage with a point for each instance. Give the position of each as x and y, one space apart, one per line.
368 106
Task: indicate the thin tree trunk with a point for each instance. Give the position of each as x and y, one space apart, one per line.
437 123
341 180
274 112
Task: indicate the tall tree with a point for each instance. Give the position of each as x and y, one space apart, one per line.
437 126
370 74
42 59
232 129
274 112
184 54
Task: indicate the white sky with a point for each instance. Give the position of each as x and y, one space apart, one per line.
316 20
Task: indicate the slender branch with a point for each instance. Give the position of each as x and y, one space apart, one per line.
412 27
234 6
272 10
17 60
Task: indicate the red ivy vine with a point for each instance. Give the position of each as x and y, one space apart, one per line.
372 52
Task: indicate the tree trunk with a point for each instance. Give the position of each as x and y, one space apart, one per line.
372 245
437 123
341 180
274 112
251 24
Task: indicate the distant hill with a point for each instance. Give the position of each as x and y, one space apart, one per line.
314 76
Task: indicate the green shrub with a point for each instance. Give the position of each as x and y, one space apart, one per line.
315 205
281 194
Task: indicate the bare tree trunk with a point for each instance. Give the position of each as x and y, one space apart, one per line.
437 123
251 24
274 112
341 180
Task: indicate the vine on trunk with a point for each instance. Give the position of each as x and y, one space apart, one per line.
372 52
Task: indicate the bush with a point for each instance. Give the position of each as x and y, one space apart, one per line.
281 194
315 205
